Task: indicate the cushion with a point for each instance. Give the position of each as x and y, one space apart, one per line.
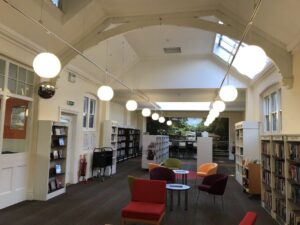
143 210
152 191
204 187
249 219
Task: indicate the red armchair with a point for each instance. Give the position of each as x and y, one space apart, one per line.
249 219
147 204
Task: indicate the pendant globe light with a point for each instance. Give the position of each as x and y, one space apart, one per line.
250 60
155 116
105 93
214 113
131 105
146 112
169 123
161 119
228 93
219 105
46 65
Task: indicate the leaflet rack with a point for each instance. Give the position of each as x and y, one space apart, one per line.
102 158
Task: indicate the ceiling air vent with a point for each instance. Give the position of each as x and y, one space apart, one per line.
172 50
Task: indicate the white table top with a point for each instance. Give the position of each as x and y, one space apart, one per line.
178 187
181 171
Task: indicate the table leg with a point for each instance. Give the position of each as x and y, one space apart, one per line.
186 199
171 200
185 178
178 199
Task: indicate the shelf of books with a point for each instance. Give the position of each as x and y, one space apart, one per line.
124 141
51 160
293 187
155 149
280 155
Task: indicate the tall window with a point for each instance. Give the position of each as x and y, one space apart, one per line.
272 112
16 96
89 112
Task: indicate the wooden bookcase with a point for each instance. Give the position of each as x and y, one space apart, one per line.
159 145
246 146
51 160
281 177
251 178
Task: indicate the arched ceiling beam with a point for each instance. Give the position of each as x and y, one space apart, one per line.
281 57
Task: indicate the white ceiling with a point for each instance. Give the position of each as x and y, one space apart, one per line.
277 20
151 41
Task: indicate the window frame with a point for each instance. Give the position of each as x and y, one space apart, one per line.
272 109
90 98
5 94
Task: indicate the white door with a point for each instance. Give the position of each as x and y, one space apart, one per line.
70 119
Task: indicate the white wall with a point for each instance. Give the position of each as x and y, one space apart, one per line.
291 102
117 112
253 99
178 72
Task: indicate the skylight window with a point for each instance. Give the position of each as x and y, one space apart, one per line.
57 3
184 106
225 48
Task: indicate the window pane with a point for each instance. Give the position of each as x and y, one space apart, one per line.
2 67
15 126
267 123
22 74
274 102
84 121
21 88
274 121
12 86
1 82
92 106
29 90
13 71
29 77
85 104
91 121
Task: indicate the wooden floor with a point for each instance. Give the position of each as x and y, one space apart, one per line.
100 203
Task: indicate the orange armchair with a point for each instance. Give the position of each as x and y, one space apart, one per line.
207 169
153 165
147 202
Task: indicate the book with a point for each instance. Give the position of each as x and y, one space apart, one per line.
57 168
55 154
61 141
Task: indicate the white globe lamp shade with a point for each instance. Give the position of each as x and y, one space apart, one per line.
131 105
105 93
250 60
214 113
228 93
169 122
46 65
161 119
219 106
206 123
155 116
146 112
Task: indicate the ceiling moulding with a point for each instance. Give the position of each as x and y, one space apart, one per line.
19 40
231 28
275 49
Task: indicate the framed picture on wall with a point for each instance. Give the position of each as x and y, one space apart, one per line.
17 121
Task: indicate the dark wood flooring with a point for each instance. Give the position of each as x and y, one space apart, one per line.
100 203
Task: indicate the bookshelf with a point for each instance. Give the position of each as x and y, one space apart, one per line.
51 160
281 177
124 141
155 149
246 146
251 178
